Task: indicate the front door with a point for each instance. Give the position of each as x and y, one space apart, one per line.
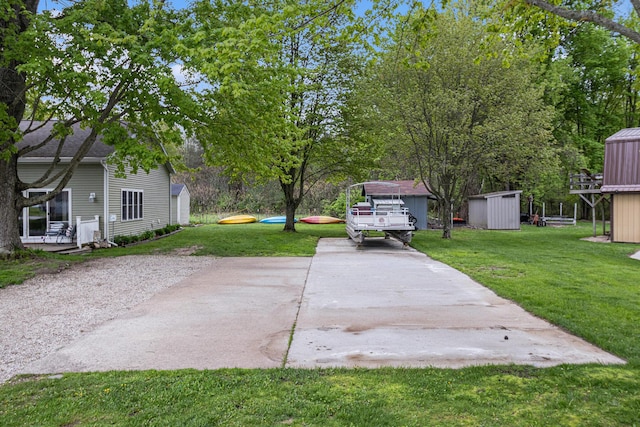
36 219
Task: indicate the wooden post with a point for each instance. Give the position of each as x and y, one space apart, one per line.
593 214
78 232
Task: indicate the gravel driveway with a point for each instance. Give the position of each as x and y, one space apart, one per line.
52 310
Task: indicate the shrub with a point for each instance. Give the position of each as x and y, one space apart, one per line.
121 240
171 228
147 235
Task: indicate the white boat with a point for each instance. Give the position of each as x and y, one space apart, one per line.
386 215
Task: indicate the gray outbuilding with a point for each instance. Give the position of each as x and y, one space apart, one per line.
495 211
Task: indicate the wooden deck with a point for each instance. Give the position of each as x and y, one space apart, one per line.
53 247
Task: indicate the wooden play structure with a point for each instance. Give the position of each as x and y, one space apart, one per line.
589 187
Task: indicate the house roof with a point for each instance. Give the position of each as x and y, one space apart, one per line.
70 147
495 194
622 162
403 188
176 189
39 131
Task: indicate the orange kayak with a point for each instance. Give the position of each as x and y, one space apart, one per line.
319 219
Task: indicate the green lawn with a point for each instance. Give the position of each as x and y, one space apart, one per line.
217 240
590 289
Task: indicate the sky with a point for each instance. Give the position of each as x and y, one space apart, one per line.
178 4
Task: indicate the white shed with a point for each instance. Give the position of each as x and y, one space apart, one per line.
495 211
180 204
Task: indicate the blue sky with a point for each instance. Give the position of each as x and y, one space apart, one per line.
179 4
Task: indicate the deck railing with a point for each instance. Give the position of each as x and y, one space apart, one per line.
585 183
370 218
85 230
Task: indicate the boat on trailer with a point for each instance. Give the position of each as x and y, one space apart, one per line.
387 215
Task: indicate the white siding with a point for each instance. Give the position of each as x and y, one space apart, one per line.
495 211
478 213
503 212
184 203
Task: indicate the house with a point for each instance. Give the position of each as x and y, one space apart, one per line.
495 211
180 204
621 179
415 197
122 206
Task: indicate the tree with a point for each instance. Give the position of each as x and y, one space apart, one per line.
98 63
591 85
466 116
276 112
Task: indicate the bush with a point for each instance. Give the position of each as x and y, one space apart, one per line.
147 235
121 240
171 228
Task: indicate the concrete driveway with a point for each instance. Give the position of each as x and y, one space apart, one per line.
375 305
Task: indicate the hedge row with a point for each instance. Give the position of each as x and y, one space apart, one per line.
147 235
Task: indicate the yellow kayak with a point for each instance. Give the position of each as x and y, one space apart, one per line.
238 219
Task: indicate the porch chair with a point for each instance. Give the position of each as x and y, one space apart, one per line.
69 233
56 229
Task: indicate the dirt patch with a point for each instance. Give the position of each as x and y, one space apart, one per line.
186 251
598 239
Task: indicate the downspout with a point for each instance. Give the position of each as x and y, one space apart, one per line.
105 205
170 222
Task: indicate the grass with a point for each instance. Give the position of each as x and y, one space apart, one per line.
28 263
217 240
498 396
255 239
591 289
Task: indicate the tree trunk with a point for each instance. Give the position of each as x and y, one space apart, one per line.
445 209
12 98
291 204
9 207
290 223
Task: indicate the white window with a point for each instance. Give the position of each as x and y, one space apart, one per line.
132 204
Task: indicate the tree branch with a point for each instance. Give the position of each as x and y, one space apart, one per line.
320 14
589 16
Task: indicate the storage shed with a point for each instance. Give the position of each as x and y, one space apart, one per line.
621 179
180 204
415 197
495 211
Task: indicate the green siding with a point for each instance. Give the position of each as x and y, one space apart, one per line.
156 187
88 178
